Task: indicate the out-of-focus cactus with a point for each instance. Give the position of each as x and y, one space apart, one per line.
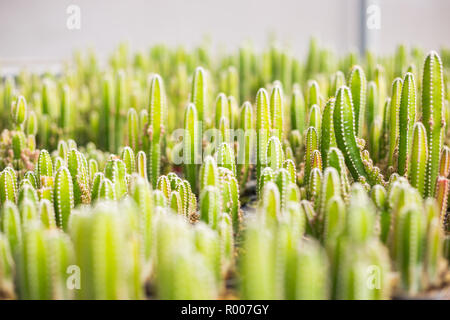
104 252
394 108
258 250
245 155
210 206
133 129
410 243
116 170
6 269
44 260
312 269
297 110
8 187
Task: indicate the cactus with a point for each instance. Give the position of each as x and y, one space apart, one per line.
433 115
210 206
246 144
133 129
311 145
328 138
394 108
419 158
277 112
262 131
199 94
148 211
407 118
297 110
358 88
260 283
191 141
157 113
63 197
344 128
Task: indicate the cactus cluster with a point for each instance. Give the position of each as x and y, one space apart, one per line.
251 175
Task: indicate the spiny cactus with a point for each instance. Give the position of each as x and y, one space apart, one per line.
344 128
157 113
358 88
150 211
407 118
419 158
63 197
262 130
433 115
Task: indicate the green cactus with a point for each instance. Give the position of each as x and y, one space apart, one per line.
344 128
246 144
63 198
199 95
262 131
433 115
157 113
407 118
297 110
277 112
133 129
358 88
78 169
190 146
419 158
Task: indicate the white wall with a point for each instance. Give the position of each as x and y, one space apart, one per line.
37 28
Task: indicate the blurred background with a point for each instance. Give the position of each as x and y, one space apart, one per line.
35 31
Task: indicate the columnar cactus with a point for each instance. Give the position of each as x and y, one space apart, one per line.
407 118
419 158
78 169
199 94
297 110
157 113
277 112
433 115
245 156
190 144
358 88
328 138
394 110
262 130
344 128
63 198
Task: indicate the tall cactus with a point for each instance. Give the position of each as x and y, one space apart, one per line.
262 130
358 88
433 115
63 199
191 144
157 113
344 128
407 118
